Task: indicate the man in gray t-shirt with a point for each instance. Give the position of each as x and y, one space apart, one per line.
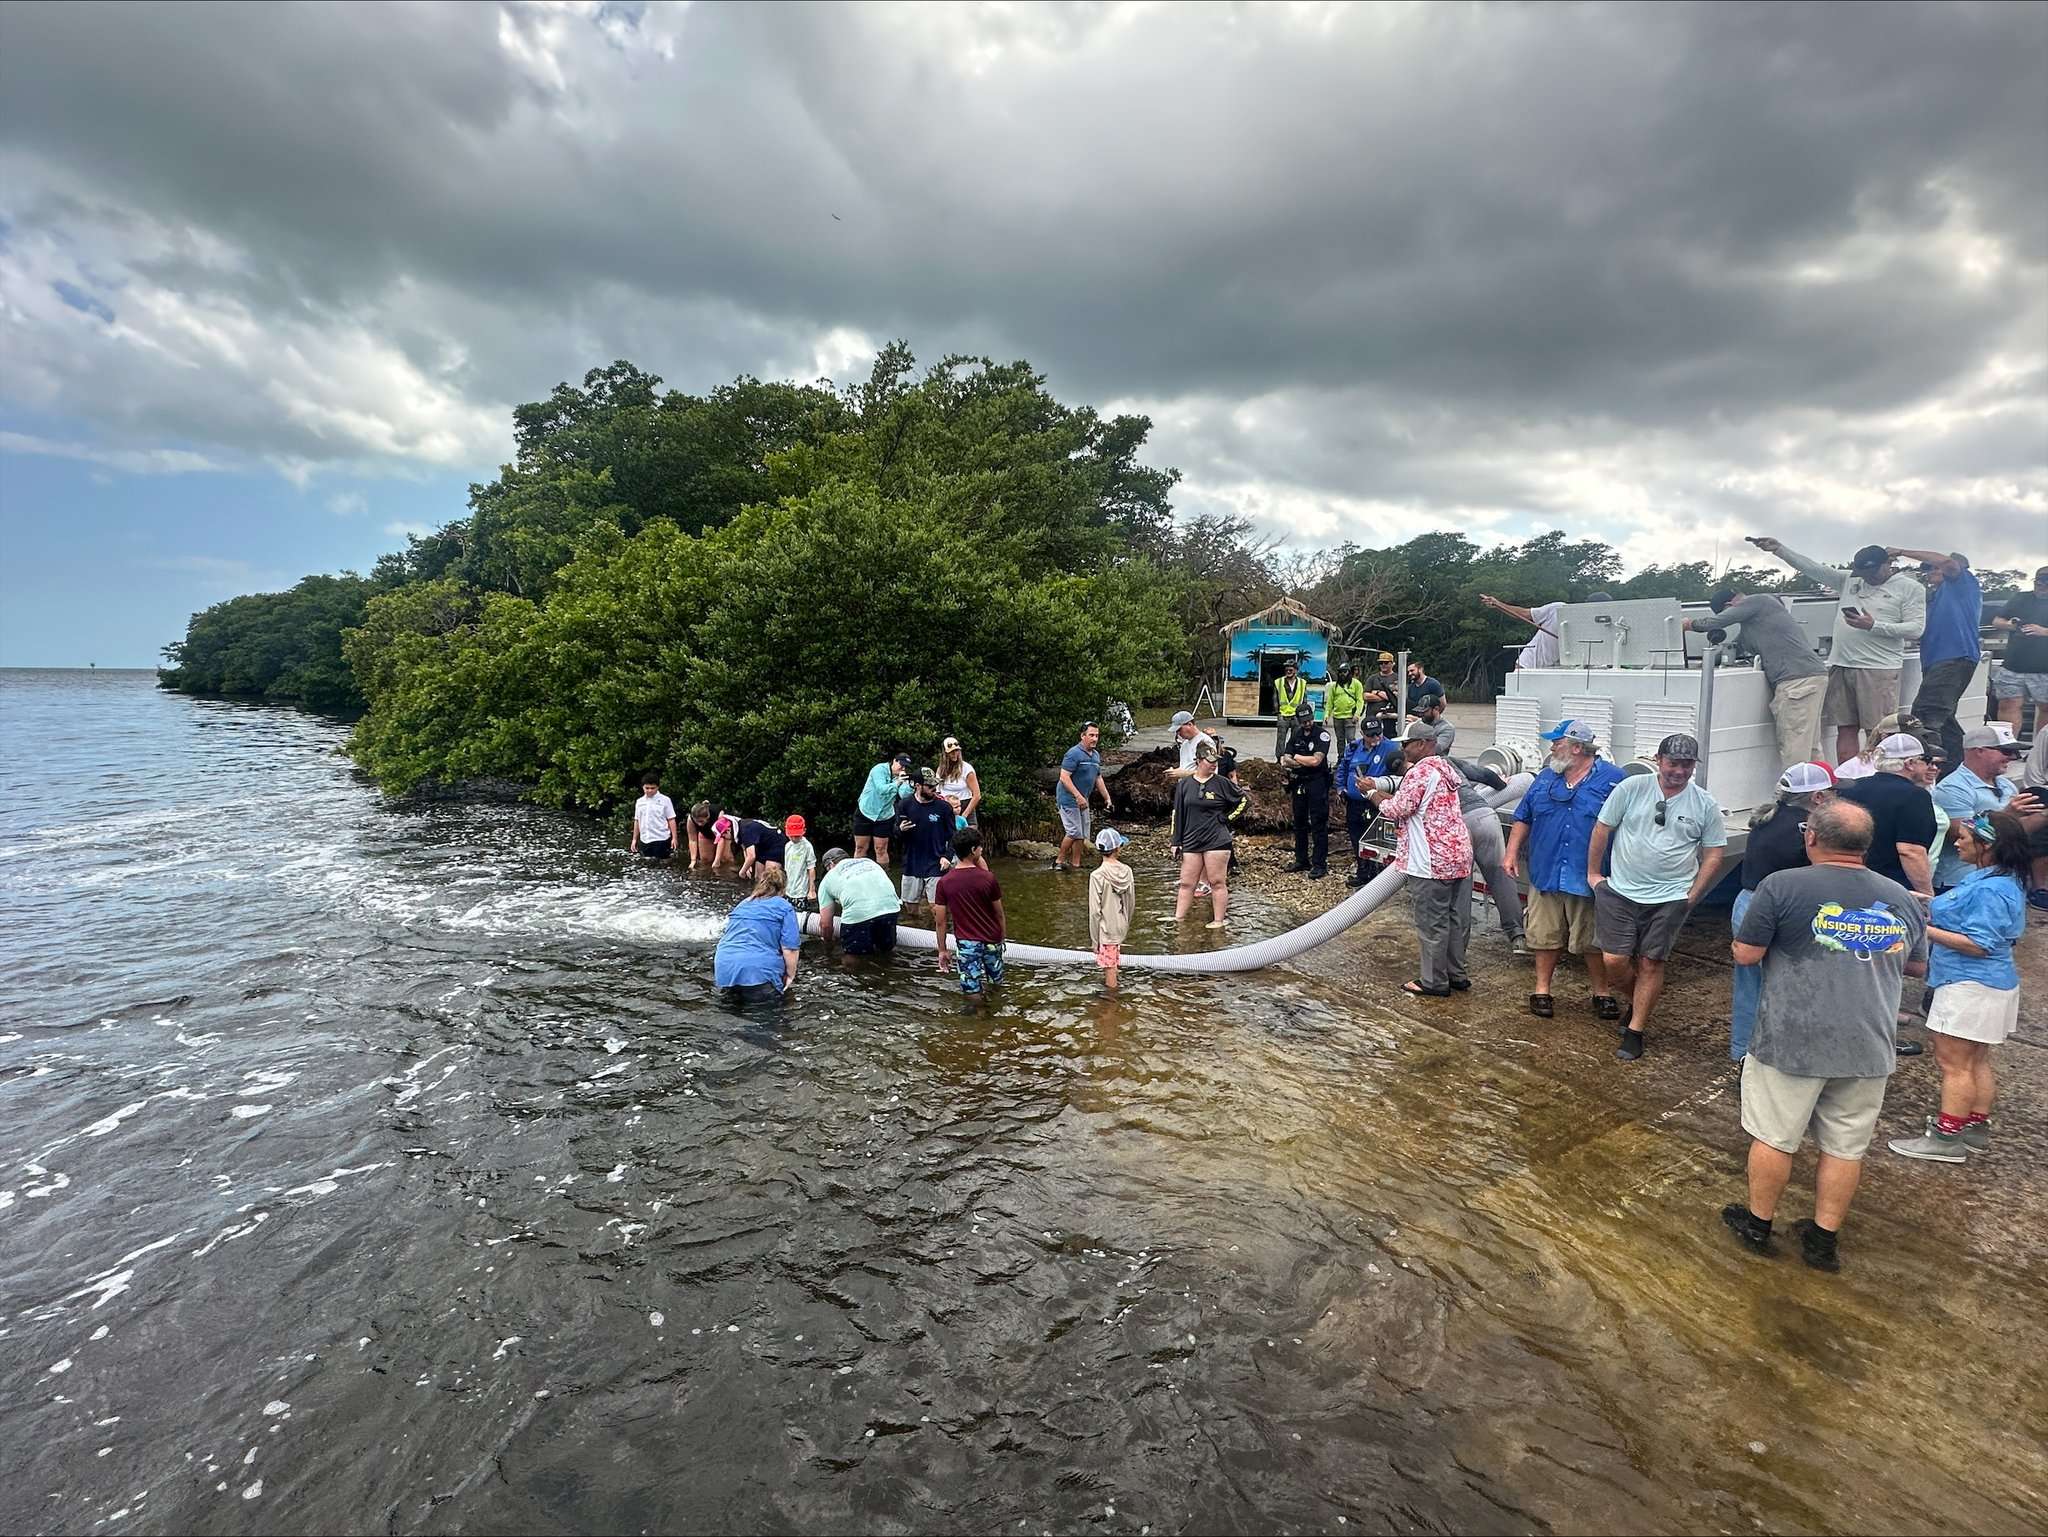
1835 941
1796 677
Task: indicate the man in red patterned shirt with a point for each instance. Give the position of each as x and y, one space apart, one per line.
1435 851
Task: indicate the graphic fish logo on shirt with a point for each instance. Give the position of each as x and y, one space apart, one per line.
1864 932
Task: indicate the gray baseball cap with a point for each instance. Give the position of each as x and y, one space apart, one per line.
1570 731
1680 746
1419 731
1183 718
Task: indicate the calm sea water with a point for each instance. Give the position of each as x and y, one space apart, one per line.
372 1167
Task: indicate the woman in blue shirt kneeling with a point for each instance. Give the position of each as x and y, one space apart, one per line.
1971 929
756 960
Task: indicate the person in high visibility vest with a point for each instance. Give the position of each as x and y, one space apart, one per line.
1343 704
1290 693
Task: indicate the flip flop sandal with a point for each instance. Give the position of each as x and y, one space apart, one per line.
1417 990
1606 1006
1542 1006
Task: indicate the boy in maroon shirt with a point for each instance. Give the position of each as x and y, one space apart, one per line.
971 901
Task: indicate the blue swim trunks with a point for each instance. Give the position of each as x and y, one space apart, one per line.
979 963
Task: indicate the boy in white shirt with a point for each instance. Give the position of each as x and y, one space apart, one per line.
654 822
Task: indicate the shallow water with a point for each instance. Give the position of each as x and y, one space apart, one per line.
366 1166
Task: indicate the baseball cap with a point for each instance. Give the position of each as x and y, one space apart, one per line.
1901 745
1183 718
1986 736
1419 731
903 760
794 826
929 778
1805 778
1679 745
1720 598
949 744
1870 558
1304 711
1109 840
832 857
1205 750
1372 725
1386 656
1570 731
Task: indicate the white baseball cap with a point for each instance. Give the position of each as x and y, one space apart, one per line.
1183 718
1805 779
1901 746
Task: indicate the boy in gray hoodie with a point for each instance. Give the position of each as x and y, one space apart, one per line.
1112 898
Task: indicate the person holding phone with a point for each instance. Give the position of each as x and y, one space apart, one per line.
1880 610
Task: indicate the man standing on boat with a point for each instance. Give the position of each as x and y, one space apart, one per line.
1879 611
1950 647
1796 677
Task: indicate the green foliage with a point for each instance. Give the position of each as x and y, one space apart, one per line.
762 592
274 645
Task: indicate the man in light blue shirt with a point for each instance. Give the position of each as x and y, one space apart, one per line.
1667 839
1950 646
1978 784
1080 778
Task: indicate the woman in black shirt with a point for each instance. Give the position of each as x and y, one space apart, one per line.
1202 835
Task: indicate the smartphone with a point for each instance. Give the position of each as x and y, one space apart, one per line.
1851 612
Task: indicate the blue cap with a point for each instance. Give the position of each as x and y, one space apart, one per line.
1570 731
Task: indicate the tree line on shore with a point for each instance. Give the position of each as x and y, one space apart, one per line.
758 591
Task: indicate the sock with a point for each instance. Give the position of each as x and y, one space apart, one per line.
1976 1120
1948 1125
1760 1224
1823 1237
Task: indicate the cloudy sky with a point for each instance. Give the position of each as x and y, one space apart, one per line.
271 277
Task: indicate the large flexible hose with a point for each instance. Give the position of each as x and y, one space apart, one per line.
1357 907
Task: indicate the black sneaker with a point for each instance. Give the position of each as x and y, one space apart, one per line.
1296 870
1817 1245
1317 874
1356 877
1750 1230
1631 1044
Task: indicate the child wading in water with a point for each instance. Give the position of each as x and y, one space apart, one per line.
1112 898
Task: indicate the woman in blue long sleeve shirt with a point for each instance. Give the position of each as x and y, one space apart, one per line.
1971 929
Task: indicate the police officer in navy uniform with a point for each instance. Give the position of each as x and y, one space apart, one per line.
1308 781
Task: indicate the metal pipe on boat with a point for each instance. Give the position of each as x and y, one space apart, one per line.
1710 660
1354 909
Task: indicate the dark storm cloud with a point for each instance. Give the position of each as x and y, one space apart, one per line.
1452 241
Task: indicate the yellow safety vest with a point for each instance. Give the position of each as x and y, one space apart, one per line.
1289 702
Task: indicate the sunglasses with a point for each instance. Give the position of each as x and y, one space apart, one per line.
1661 805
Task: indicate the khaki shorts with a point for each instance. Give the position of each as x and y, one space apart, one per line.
1860 696
1780 1110
1557 920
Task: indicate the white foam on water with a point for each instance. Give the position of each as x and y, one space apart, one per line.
276 1406
59 1369
98 1334
618 1173
612 1047
253 1491
331 1183
553 910
503 1345
12 1035
249 1112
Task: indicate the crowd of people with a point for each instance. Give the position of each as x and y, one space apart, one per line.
1915 855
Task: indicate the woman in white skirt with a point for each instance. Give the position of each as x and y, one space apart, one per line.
1971 929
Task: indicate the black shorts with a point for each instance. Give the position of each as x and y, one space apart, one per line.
660 850
871 936
863 828
754 993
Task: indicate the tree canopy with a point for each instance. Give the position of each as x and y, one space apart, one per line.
760 590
